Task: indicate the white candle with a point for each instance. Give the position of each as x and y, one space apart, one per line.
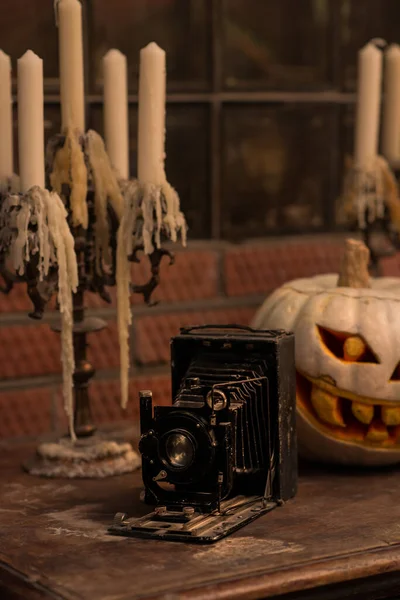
151 126
30 121
116 127
6 119
368 105
391 105
71 64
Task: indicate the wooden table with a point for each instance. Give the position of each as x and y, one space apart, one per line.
340 538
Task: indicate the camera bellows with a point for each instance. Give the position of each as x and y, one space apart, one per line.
245 387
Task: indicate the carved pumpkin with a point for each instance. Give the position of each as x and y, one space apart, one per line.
347 361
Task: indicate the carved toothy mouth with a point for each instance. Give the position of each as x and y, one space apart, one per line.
346 416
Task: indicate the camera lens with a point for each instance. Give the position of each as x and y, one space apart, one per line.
179 450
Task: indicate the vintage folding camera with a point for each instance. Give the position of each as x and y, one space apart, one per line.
225 452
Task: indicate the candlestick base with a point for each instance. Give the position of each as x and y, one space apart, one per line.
97 457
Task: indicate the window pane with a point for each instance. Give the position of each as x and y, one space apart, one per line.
346 150
276 169
347 124
29 25
270 44
180 27
360 22
187 162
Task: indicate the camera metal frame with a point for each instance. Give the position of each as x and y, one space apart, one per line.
205 500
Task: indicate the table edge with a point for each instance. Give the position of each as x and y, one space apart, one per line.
307 575
264 583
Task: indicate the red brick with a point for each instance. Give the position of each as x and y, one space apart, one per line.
29 351
25 412
261 268
32 350
391 266
16 301
29 412
103 347
153 334
105 399
193 276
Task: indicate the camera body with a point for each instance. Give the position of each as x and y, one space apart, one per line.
231 428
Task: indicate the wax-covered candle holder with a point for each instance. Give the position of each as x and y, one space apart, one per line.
152 214
370 203
79 172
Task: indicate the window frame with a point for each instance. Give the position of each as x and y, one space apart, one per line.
217 98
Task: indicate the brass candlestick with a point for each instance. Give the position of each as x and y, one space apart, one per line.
94 454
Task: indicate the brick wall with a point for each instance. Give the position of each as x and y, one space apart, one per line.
210 282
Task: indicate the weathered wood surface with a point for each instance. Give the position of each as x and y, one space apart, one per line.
343 526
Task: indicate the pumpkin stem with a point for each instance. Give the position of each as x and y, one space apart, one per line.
354 267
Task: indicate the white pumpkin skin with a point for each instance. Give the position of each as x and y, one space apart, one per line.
372 314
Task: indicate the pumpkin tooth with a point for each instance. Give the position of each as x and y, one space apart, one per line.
354 348
327 406
377 432
390 415
362 412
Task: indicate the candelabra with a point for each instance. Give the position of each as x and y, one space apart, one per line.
371 204
79 170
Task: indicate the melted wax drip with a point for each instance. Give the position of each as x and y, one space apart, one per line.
35 224
150 211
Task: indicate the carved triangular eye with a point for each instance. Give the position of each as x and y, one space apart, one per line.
346 346
396 373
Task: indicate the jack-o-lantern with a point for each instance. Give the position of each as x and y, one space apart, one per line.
347 337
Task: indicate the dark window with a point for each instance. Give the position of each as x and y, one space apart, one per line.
187 148
358 23
180 27
276 168
276 45
260 114
29 25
